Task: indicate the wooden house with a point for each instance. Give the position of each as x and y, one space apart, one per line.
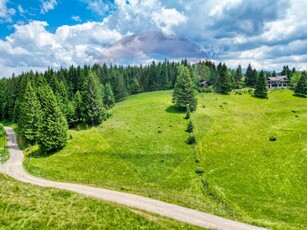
278 82
204 84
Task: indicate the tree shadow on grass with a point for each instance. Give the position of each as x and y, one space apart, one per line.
38 153
174 109
299 95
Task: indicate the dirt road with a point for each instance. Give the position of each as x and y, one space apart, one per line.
13 167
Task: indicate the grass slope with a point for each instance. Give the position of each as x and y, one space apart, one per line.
25 206
141 149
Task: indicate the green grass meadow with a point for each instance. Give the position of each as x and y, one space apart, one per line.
141 149
24 206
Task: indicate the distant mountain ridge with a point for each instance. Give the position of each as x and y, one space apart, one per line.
151 44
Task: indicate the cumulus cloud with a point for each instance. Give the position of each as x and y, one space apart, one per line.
47 5
267 34
165 19
33 47
5 12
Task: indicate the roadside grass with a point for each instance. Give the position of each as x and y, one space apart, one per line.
141 149
24 206
4 156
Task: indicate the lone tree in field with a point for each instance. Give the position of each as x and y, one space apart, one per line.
184 95
53 127
301 87
29 115
261 90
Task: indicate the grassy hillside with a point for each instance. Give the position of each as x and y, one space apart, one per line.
24 206
141 149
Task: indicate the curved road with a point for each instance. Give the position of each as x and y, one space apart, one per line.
13 167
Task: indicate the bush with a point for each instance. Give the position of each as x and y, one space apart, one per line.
199 170
191 140
272 138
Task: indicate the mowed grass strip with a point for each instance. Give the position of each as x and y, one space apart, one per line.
24 206
141 149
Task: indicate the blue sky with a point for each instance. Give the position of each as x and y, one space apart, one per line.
37 34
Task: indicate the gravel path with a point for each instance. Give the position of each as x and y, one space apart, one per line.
13 167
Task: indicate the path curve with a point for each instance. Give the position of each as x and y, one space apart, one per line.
13 167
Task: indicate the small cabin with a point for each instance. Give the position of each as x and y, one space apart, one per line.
278 82
204 84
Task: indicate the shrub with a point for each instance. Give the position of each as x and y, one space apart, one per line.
272 138
191 140
199 170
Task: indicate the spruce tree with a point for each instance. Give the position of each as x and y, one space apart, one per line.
108 98
225 80
29 115
77 100
249 75
53 127
190 127
301 87
261 89
184 93
92 101
135 86
238 76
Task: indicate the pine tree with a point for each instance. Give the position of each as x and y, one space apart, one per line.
254 79
184 93
225 80
301 87
249 75
238 76
53 127
77 100
135 86
29 115
261 89
108 98
190 127
92 101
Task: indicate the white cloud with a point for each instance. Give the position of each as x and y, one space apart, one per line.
268 34
166 19
76 18
47 5
31 46
100 7
21 10
6 13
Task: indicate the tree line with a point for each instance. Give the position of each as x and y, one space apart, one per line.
46 104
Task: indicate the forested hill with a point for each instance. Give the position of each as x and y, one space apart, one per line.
115 83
